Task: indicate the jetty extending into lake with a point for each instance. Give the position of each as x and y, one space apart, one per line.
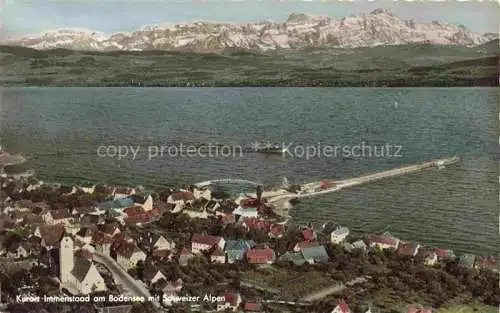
280 198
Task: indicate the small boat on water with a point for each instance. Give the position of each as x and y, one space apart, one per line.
268 148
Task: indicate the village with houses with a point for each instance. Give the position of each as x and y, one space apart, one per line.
193 249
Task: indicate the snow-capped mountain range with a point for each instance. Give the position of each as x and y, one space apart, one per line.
379 27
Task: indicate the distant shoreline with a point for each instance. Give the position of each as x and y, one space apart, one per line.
485 82
389 66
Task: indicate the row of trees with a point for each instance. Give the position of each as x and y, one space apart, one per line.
409 80
408 280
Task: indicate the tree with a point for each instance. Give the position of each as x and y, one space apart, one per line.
259 193
140 269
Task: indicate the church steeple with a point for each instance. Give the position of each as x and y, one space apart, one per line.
66 259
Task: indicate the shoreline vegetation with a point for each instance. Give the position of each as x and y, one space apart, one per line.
415 65
481 82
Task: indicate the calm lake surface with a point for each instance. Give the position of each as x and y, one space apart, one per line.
61 129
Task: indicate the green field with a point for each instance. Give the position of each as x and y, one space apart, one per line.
478 308
289 284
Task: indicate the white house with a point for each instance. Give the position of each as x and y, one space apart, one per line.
128 255
123 192
144 202
153 242
62 216
196 214
81 275
431 258
202 193
218 256
72 191
19 250
151 274
37 184
161 243
181 198
383 242
170 288
246 212
339 235
201 243
84 235
359 244
87 188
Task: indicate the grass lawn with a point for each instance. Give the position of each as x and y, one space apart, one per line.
473 308
290 284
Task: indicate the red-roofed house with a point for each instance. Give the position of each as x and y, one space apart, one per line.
260 256
308 234
252 307
249 203
408 248
383 242
184 257
50 235
324 184
488 263
133 211
120 239
231 301
102 242
444 254
228 218
342 307
254 223
305 244
276 231
142 217
201 243
181 197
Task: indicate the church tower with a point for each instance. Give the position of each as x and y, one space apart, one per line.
66 262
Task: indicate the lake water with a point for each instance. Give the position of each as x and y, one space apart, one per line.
61 130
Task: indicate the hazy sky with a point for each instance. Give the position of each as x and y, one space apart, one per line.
34 16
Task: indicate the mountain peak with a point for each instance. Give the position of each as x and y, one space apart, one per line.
491 36
380 11
298 17
299 31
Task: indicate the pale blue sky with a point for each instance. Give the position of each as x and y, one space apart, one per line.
35 16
